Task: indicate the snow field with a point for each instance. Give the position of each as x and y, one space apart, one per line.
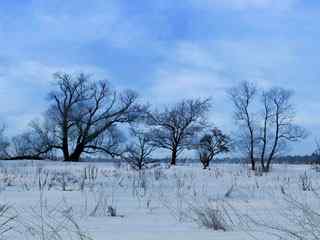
101 201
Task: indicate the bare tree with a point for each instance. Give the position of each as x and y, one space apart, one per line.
138 153
243 97
212 144
316 154
265 134
36 143
278 125
267 115
175 127
85 115
4 143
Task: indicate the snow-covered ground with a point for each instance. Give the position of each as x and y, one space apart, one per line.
51 199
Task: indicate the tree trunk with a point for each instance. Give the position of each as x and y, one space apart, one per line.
205 160
65 149
263 165
75 156
266 168
65 142
276 141
174 157
253 164
66 156
205 165
253 161
264 146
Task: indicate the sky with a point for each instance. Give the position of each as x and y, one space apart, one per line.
166 50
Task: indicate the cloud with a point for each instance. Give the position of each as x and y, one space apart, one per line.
82 22
210 68
274 5
188 71
192 69
25 85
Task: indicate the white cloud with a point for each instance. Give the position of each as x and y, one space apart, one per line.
189 70
274 5
24 87
84 22
209 69
28 74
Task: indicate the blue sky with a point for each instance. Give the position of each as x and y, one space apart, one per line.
167 50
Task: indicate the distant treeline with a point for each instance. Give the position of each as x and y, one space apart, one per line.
305 159
298 159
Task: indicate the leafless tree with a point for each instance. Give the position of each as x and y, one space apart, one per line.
36 143
138 153
84 115
175 127
278 125
243 97
267 115
316 154
32 144
212 144
268 132
4 143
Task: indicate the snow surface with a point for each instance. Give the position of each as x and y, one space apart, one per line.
157 204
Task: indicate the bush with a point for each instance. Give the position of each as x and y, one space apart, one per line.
51 223
211 216
7 219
